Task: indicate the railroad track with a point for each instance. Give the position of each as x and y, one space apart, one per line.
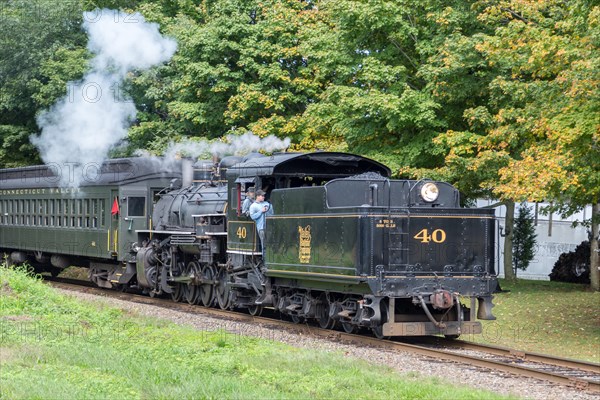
579 374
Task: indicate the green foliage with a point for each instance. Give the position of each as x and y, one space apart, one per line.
376 100
524 238
500 98
241 65
34 39
88 350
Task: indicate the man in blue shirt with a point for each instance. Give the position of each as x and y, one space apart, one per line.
258 212
248 201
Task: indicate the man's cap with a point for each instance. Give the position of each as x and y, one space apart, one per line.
260 192
250 189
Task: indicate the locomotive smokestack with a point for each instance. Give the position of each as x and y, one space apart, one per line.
187 172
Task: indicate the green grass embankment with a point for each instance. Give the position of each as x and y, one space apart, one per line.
56 347
555 318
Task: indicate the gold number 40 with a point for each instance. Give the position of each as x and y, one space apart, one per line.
241 232
437 236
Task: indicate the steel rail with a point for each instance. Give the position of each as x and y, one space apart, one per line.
522 355
438 354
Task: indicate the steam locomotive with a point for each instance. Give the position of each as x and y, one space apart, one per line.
347 246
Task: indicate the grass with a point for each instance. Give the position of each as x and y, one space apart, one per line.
54 346
555 318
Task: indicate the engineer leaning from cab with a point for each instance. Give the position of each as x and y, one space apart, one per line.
258 212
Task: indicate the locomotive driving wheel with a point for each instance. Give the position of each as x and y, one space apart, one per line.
255 310
177 293
192 292
222 292
178 289
206 289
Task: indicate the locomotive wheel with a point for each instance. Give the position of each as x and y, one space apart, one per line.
191 294
206 290
349 327
378 330
177 293
193 291
297 319
255 310
322 316
222 292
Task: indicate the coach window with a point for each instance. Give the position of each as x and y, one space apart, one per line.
95 213
136 206
102 212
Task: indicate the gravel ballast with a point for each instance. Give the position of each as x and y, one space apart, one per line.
458 374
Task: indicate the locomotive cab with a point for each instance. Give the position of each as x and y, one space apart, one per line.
282 171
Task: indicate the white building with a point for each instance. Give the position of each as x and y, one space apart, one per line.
555 236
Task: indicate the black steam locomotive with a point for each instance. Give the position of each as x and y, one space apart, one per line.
346 245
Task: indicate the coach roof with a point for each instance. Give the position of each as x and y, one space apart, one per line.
116 171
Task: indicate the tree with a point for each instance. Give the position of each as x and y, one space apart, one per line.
378 101
553 85
33 36
532 131
524 239
241 65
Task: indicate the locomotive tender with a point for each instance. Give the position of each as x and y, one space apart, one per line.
346 246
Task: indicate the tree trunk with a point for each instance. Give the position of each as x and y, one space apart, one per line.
594 255
509 222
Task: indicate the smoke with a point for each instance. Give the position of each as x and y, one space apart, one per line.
83 126
230 145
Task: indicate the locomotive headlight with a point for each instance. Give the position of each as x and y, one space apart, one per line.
430 192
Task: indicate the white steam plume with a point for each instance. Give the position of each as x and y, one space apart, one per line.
204 149
82 127
230 145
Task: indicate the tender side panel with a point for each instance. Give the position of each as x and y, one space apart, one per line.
451 244
318 245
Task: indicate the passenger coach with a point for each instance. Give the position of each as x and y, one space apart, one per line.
52 225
